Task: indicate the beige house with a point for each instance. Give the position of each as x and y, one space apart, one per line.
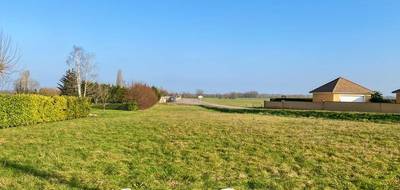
397 92
341 90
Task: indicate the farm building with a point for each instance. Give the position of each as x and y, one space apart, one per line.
397 92
341 90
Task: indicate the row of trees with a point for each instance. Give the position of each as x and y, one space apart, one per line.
231 95
79 80
143 95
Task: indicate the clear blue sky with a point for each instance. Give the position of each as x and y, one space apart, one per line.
219 46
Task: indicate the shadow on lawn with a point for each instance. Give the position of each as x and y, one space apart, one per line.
52 177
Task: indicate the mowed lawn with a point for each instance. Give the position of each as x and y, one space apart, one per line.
186 147
241 102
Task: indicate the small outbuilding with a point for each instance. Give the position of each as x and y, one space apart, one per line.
341 90
397 92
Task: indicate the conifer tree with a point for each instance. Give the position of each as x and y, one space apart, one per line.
67 84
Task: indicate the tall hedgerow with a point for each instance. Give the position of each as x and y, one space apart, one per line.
27 109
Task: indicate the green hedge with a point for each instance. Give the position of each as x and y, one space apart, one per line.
27 109
128 106
291 99
351 116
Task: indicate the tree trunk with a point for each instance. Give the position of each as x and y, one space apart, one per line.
84 88
78 80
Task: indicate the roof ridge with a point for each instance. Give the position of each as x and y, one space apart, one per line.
341 85
356 84
337 81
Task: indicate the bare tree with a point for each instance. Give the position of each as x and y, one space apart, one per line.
102 91
24 84
9 56
75 60
82 64
88 71
120 79
199 92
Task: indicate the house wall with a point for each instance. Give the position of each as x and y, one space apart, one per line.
323 97
336 97
335 106
398 98
330 97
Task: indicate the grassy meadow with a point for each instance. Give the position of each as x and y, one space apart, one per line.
240 102
188 147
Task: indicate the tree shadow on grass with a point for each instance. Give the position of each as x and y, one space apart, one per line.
52 177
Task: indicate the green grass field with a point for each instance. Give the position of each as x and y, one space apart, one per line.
186 147
241 102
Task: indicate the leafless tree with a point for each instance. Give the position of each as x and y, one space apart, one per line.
88 71
120 79
102 91
24 84
199 92
82 64
9 56
75 60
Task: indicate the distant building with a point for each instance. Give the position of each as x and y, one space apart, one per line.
341 90
167 99
163 99
397 92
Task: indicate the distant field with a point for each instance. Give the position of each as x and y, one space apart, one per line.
188 147
242 102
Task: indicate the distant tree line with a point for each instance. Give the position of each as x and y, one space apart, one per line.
234 95
142 95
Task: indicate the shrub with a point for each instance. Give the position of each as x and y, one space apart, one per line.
143 95
160 92
24 109
376 97
131 106
116 94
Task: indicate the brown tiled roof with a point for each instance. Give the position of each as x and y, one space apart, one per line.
342 85
396 91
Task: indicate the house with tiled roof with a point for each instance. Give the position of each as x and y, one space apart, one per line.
341 90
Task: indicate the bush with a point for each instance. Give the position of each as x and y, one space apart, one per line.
116 94
131 106
376 97
25 109
143 95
